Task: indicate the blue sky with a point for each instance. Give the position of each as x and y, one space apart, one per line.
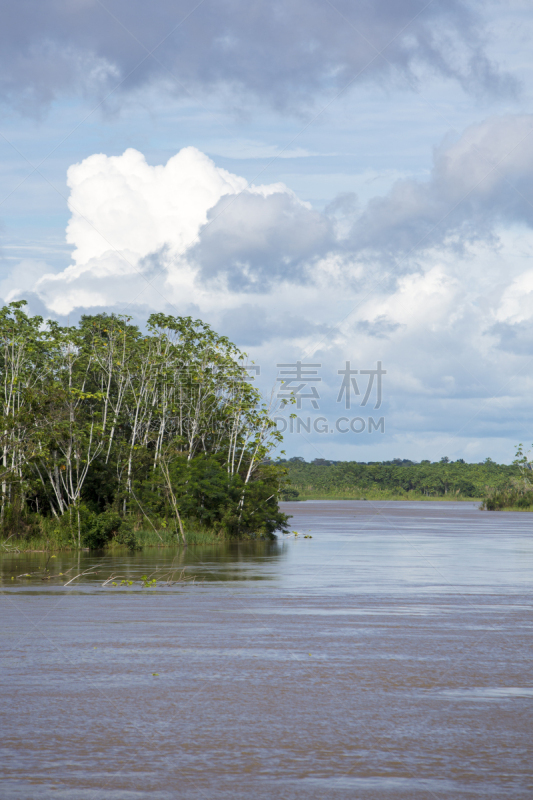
322 182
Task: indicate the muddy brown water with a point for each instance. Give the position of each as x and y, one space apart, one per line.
388 656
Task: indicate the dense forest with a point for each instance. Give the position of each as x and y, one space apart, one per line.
107 429
398 478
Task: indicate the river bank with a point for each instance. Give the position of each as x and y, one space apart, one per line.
162 538
384 496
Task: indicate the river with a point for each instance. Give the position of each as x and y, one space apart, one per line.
388 656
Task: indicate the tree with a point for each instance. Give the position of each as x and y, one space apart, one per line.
122 420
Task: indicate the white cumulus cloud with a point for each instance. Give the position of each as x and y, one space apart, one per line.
268 270
130 219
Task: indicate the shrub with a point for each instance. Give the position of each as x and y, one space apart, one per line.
289 494
106 528
508 498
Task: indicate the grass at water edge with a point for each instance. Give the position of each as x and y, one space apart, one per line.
145 539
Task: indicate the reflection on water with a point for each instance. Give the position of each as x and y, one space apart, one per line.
386 657
228 561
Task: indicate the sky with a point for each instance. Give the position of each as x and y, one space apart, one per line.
344 189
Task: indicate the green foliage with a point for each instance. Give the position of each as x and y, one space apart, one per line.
103 529
107 429
517 493
440 479
288 493
510 498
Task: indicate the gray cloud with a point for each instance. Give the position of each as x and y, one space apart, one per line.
283 52
516 338
344 204
253 241
381 328
254 325
483 179
480 181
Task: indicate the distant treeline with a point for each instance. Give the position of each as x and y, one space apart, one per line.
399 477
